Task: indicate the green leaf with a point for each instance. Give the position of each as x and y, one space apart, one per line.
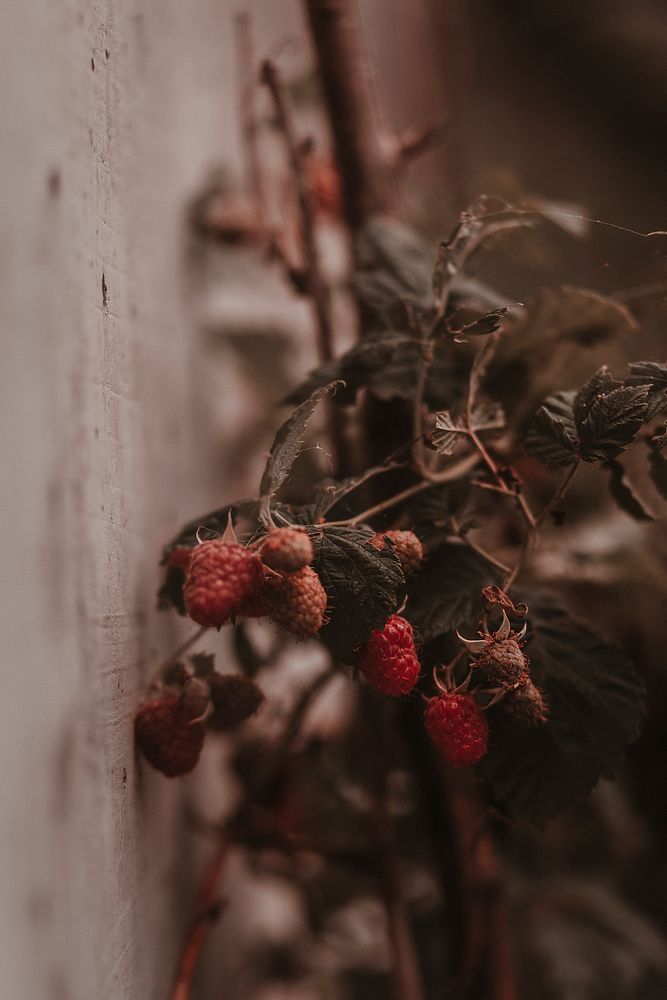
653 374
657 465
596 704
552 434
286 448
625 494
447 592
365 586
611 422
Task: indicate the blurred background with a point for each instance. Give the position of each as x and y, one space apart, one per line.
142 362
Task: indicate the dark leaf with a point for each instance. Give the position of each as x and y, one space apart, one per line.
481 327
552 435
365 586
653 374
575 314
203 664
598 384
448 432
287 446
596 703
625 494
392 269
657 464
612 422
387 362
447 592
659 439
234 697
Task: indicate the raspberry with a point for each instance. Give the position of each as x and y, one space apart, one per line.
179 557
502 661
165 735
526 702
287 550
407 547
458 727
235 699
389 661
297 602
220 578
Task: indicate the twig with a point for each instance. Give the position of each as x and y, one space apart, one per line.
406 976
316 286
207 908
451 473
367 173
206 911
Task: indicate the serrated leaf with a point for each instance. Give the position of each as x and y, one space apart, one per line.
657 464
287 446
552 434
653 374
447 592
365 586
596 703
448 432
598 384
625 494
611 423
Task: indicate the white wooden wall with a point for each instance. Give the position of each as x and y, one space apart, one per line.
111 112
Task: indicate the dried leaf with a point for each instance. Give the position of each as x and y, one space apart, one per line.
287 446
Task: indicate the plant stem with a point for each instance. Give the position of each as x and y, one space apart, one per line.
207 909
453 472
316 286
183 648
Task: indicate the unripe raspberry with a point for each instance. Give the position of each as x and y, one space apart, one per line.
221 577
297 602
287 550
235 698
526 702
389 661
458 727
166 737
407 547
502 661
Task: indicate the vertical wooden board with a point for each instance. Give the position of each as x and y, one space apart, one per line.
110 114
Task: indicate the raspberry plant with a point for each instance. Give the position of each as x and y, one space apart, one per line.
412 563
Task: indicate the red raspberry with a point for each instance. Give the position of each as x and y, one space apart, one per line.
287 550
407 547
297 602
389 661
220 578
179 557
166 736
458 727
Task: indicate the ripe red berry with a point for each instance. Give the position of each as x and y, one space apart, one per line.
287 550
166 736
221 577
297 602
458 727
407 547
389 661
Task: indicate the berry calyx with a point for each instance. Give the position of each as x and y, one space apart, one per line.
287 550
221 577
296 602
458 727
407 547
166 736
389 660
